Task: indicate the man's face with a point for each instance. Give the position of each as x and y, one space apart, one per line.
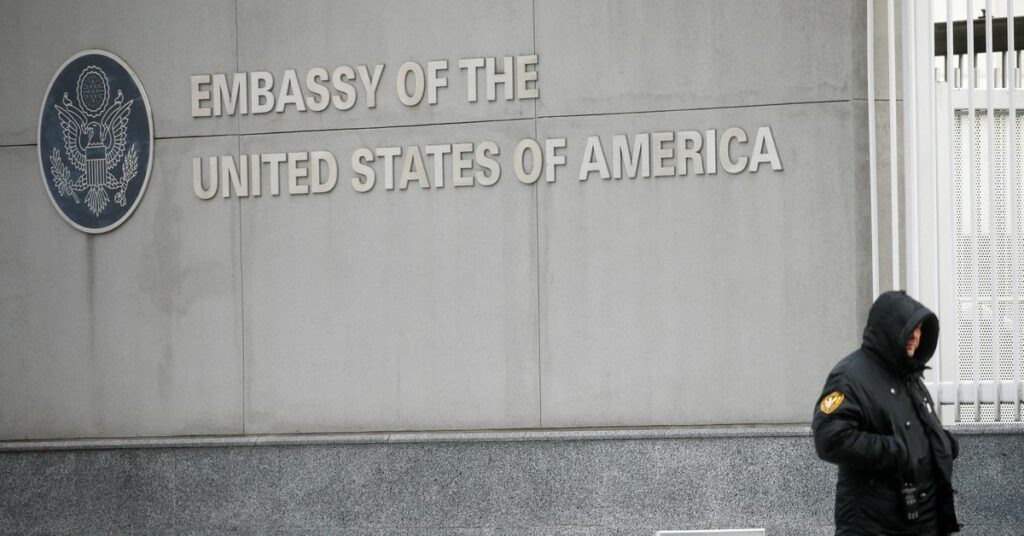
914 341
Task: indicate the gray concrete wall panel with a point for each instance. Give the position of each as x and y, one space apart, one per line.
130 333
330 34
631 302
44 289
390 310
608 57
531 488
163 42
647 317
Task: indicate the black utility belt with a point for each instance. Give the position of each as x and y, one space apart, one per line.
917 498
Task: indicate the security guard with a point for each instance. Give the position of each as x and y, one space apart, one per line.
877 422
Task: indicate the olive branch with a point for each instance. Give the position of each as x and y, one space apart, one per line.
61 175
131 167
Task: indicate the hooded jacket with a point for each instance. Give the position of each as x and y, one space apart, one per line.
877 422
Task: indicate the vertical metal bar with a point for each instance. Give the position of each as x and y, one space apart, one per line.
932 80
1011 148
893 148
952 202
960 71
973 217
910 185
990 146
872 153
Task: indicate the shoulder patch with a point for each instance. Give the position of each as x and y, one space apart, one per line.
831 402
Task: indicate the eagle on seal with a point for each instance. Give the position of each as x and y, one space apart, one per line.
95 136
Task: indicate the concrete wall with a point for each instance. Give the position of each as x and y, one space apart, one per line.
532 484
709 299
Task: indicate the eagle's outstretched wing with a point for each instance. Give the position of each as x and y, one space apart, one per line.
116 122
71 123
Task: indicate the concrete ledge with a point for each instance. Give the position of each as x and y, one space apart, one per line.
688 432
668 433
1012 428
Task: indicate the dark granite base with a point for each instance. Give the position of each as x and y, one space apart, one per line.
549 487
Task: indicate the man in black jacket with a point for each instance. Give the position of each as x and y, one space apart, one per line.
877 422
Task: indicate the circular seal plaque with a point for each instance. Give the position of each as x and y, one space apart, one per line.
95 141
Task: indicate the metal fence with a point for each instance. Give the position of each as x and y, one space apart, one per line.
963 143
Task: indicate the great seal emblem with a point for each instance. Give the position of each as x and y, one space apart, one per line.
95 141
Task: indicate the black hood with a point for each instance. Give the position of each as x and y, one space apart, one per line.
891 322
